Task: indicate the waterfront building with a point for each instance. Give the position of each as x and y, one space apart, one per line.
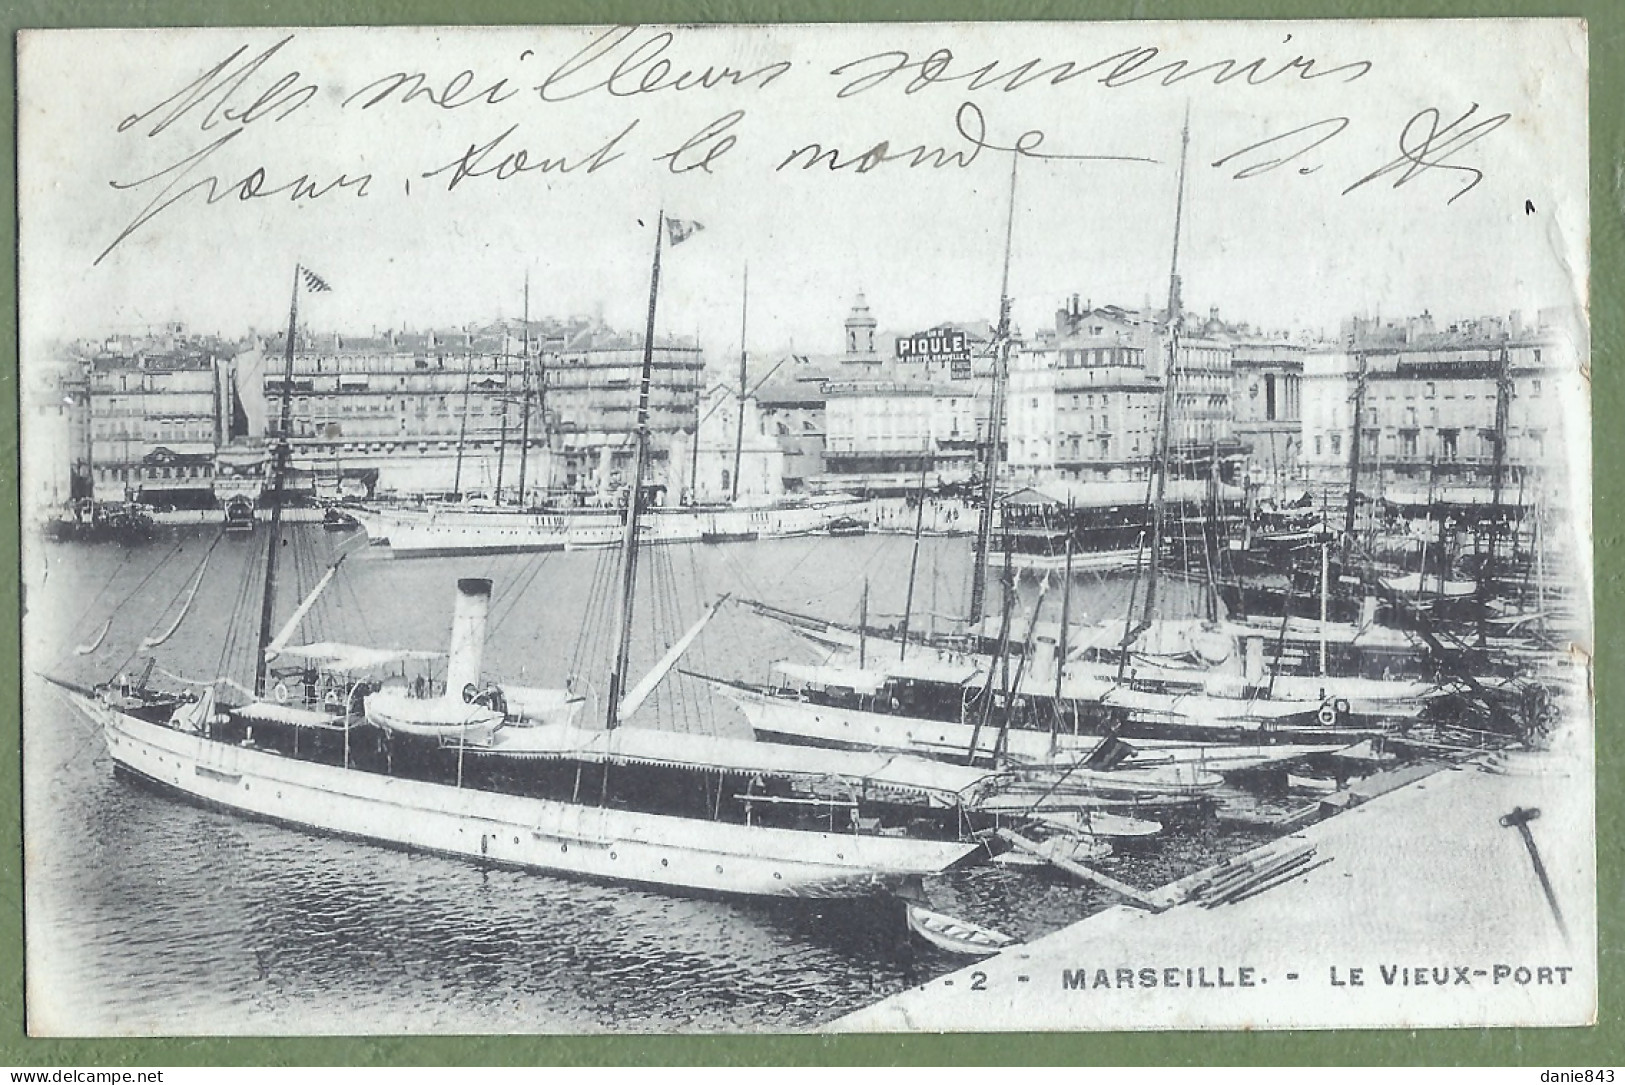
883 433
153 424
876 419
1081 404
1430 405
1267 405
477 412
1086 398
704 471
791 401
55 395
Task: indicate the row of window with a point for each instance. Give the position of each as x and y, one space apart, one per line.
150 472
1447 446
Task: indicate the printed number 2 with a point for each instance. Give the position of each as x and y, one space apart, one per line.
978 981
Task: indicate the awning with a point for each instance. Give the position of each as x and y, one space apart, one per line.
745 757
868 683
268 712
345 658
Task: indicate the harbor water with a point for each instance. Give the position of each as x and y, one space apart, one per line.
147 915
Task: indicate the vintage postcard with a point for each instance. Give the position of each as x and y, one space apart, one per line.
968 527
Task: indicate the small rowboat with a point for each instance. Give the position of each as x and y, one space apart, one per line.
1102 823
956 935
1313 785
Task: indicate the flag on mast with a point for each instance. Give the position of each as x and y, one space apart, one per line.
315 283
680 230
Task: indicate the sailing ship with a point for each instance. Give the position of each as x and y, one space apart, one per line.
321 742
1055 708
437 529
1101 524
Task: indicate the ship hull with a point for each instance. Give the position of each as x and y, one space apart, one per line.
647 849
441 532
1081 561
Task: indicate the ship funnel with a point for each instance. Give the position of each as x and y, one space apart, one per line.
467 635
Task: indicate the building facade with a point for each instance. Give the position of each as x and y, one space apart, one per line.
1433 408
153 427
728 461
1267 404
486 413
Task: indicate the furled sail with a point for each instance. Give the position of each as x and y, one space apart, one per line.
95 643
153 642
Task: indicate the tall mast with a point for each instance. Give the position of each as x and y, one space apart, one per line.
914 557
1487 570
1063 641
990 468
739 431
462 428
502 427
1169 379
1354 452
634 502
279 466
524 410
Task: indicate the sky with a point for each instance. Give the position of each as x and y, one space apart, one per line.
157 172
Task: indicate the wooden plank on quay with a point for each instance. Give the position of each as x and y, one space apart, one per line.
1088 874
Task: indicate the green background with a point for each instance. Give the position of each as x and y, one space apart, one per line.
1597 1046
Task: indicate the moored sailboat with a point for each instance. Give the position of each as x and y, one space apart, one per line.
320 743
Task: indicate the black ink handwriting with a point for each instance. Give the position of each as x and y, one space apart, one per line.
1120 69
971 126
251 186
643 69
454 94
221 83
491 159
1283 147
1419 153
705 146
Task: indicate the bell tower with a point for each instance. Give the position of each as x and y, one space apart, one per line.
860 333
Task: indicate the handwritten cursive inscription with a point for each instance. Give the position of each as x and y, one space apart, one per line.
643 68
1120 69
1420 152
223 84
454 93
499 160
1287 147
177 184
971 126
245 87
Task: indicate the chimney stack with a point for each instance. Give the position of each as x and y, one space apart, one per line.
467 635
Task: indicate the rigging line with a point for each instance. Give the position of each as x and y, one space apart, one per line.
588 617
685 703
520 585
592 616
663 606
246 589
186 607
137 589
91 606
234 625
507 598
702 654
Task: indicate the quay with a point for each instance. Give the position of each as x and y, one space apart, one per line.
1417 908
